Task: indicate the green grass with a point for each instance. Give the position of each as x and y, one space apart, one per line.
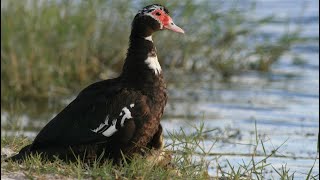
54 49
139 168
34 167
188 157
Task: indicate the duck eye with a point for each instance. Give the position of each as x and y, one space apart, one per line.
158 14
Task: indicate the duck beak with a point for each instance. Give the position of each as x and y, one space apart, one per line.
173 27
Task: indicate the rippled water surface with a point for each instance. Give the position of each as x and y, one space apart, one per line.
284 103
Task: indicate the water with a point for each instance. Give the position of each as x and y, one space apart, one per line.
283 103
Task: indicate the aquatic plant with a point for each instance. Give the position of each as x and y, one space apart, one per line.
53 48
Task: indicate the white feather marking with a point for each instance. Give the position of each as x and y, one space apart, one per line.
101 125
111 130
127 115
153 63
149 38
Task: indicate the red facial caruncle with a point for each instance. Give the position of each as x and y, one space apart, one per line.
165 21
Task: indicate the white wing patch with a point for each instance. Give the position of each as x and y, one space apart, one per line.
111 128
153 63
127 115
101 125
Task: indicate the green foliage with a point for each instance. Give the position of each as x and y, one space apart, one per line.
139 168
53 48
48 48
189 159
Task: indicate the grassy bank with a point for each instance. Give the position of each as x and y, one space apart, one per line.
189 157
53 49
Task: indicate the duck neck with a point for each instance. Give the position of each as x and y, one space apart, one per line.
141 68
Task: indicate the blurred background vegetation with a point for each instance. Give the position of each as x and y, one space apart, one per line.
240 64
53 48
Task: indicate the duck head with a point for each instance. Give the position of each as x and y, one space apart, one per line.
153 18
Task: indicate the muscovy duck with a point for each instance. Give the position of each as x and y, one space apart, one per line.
114 117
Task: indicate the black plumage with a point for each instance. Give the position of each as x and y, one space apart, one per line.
116 116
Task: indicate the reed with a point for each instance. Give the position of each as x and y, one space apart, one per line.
54 48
